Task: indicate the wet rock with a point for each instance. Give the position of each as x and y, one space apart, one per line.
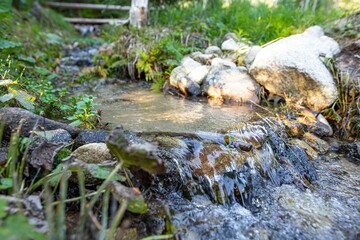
55 136
231 84
322 213
317 125
12 117
320 145
351 150
42 154
93 153
310 152
189 87
188 79
212 165
294 128
308 121
292 67
170 142
213 50
334 144
134 151
324 129
90 136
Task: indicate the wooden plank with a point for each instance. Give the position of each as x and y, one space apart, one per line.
98 21
87 6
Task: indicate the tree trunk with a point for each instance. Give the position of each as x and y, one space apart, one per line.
139 13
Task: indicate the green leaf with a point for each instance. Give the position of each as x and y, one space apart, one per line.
55 176
5 6
117 64
6 97
101 172
76 123
53 38
25 100
42 71
135 201
5 44
26 59
137 205
6 183
51 76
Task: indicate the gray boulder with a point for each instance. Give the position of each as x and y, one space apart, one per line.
93 153
189 87
90 136
55 136
231 84
13 117
188 76
293 67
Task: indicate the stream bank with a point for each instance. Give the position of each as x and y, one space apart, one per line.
321 210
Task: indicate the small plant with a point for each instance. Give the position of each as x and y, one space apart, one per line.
80 111
11 93
345 112
158 61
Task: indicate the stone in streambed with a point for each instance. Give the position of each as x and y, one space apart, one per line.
90 136
12 117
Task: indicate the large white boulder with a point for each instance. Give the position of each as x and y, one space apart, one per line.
231 84
293 67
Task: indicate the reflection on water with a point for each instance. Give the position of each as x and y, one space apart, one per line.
140 109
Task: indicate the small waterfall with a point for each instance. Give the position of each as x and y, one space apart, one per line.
233 166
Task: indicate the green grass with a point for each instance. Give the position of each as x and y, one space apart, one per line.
344 113
30 52
53 188
258 23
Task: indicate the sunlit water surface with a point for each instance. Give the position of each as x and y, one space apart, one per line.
139 109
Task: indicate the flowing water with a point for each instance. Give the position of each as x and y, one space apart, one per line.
246 182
